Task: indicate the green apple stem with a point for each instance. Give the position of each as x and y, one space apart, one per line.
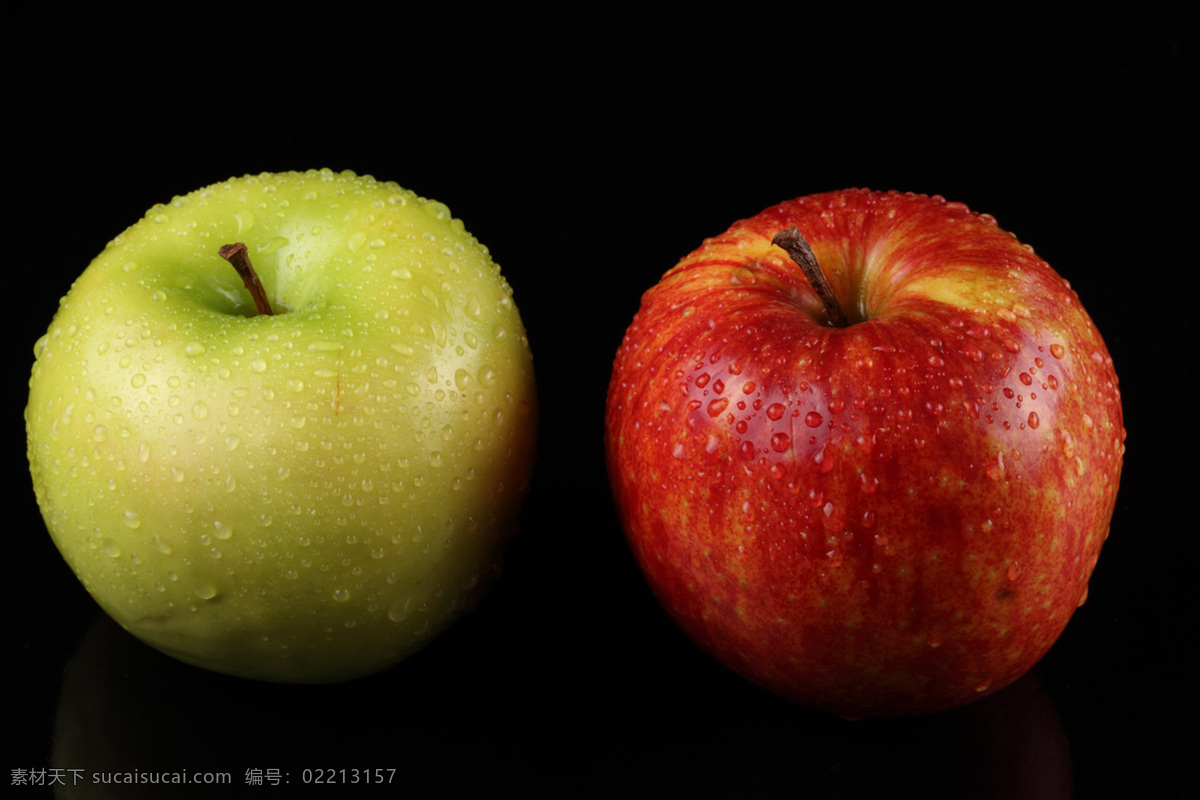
236 255
799 251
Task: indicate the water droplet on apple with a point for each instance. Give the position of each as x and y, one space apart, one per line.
133 520
199 410
341 595
474 307
222 530
1034 420
780 442
996 471
1057 350
717 406
436 210
402 273
137 381
398 612
813 419
205 591
258 365
775 411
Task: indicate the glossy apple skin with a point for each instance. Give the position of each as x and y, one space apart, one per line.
894 517
304 497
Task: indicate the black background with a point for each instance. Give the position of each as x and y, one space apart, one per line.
590 154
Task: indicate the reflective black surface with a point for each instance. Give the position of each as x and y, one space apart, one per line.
589 161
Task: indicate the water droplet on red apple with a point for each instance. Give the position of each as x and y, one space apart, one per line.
780 442
775 411
813 419
1034 420
1057 350
717 406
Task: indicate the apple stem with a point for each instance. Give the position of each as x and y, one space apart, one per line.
799 251
236 255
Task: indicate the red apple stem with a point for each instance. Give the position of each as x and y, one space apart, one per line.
236 255
799 251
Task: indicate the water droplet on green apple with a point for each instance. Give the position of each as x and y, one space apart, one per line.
245 220
436 210
137 381
341 595
133 519
258 365
398 612
193 349
205 591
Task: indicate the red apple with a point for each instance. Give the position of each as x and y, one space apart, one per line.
894 513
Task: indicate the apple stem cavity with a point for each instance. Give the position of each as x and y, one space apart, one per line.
237 255
799 251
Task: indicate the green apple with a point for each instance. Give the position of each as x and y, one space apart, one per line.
307 495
